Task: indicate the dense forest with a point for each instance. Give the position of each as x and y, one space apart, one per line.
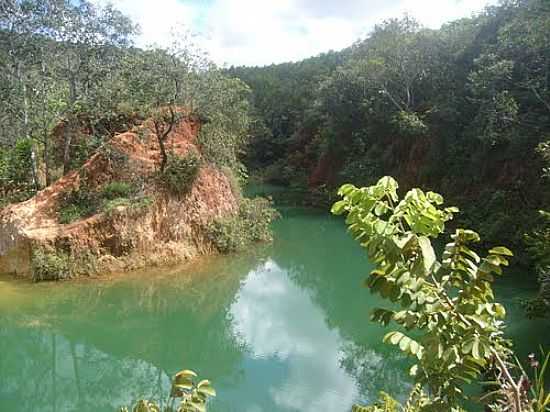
464 110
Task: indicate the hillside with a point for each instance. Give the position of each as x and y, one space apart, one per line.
147 225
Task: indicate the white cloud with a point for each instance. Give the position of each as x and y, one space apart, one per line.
274 318
259 32
156 18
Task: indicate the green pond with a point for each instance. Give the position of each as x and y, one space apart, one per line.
284 327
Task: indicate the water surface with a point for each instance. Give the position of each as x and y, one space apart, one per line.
284 327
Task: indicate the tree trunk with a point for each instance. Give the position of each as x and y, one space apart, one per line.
67 137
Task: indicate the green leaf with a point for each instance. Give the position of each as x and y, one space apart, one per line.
501 250
339 207
206 388
428 254
393 337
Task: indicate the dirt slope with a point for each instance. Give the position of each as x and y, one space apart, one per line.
168 230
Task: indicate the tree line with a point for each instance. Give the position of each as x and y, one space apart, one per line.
71 77
463 110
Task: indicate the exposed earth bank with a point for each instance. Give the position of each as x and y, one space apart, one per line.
154 227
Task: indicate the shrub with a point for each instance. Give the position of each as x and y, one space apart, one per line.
117 189
234 181
251 224
180 173
132 205
49 265
448 321
77 204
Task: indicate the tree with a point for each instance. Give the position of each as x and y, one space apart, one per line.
449 322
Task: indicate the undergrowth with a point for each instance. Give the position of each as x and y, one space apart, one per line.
49 265
251 224
85 202
180 173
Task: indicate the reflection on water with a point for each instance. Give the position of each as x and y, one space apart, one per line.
277 320
284 328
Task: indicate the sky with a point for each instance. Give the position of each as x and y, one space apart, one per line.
261 32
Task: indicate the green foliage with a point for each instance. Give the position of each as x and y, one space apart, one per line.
409 124
114 196
117 189
476 90
538 246
251 224
417 402
49 265
186 395
223 106
128 205
78 204
16 171
180 173
385 404
453 328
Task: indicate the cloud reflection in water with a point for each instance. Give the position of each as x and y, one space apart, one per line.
274 318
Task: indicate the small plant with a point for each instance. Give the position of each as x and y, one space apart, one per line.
180 173
191 396
131 205
77 204
117 189
251 224
49 265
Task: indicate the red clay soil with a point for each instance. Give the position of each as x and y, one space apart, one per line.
170 230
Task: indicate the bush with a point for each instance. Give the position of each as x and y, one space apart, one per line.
77 204
180 173
48 265
133 205
16 183
251 224
117 189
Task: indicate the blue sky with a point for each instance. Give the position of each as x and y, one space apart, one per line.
260 32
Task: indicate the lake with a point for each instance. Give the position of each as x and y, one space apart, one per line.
284 327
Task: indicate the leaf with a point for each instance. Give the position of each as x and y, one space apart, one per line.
404 343
184 379
501 250
393 337
339 207
475 348
389 184
346 189
206 388
428 254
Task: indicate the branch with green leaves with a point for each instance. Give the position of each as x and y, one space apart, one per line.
185 395
448 320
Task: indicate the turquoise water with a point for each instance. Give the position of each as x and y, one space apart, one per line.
284 327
